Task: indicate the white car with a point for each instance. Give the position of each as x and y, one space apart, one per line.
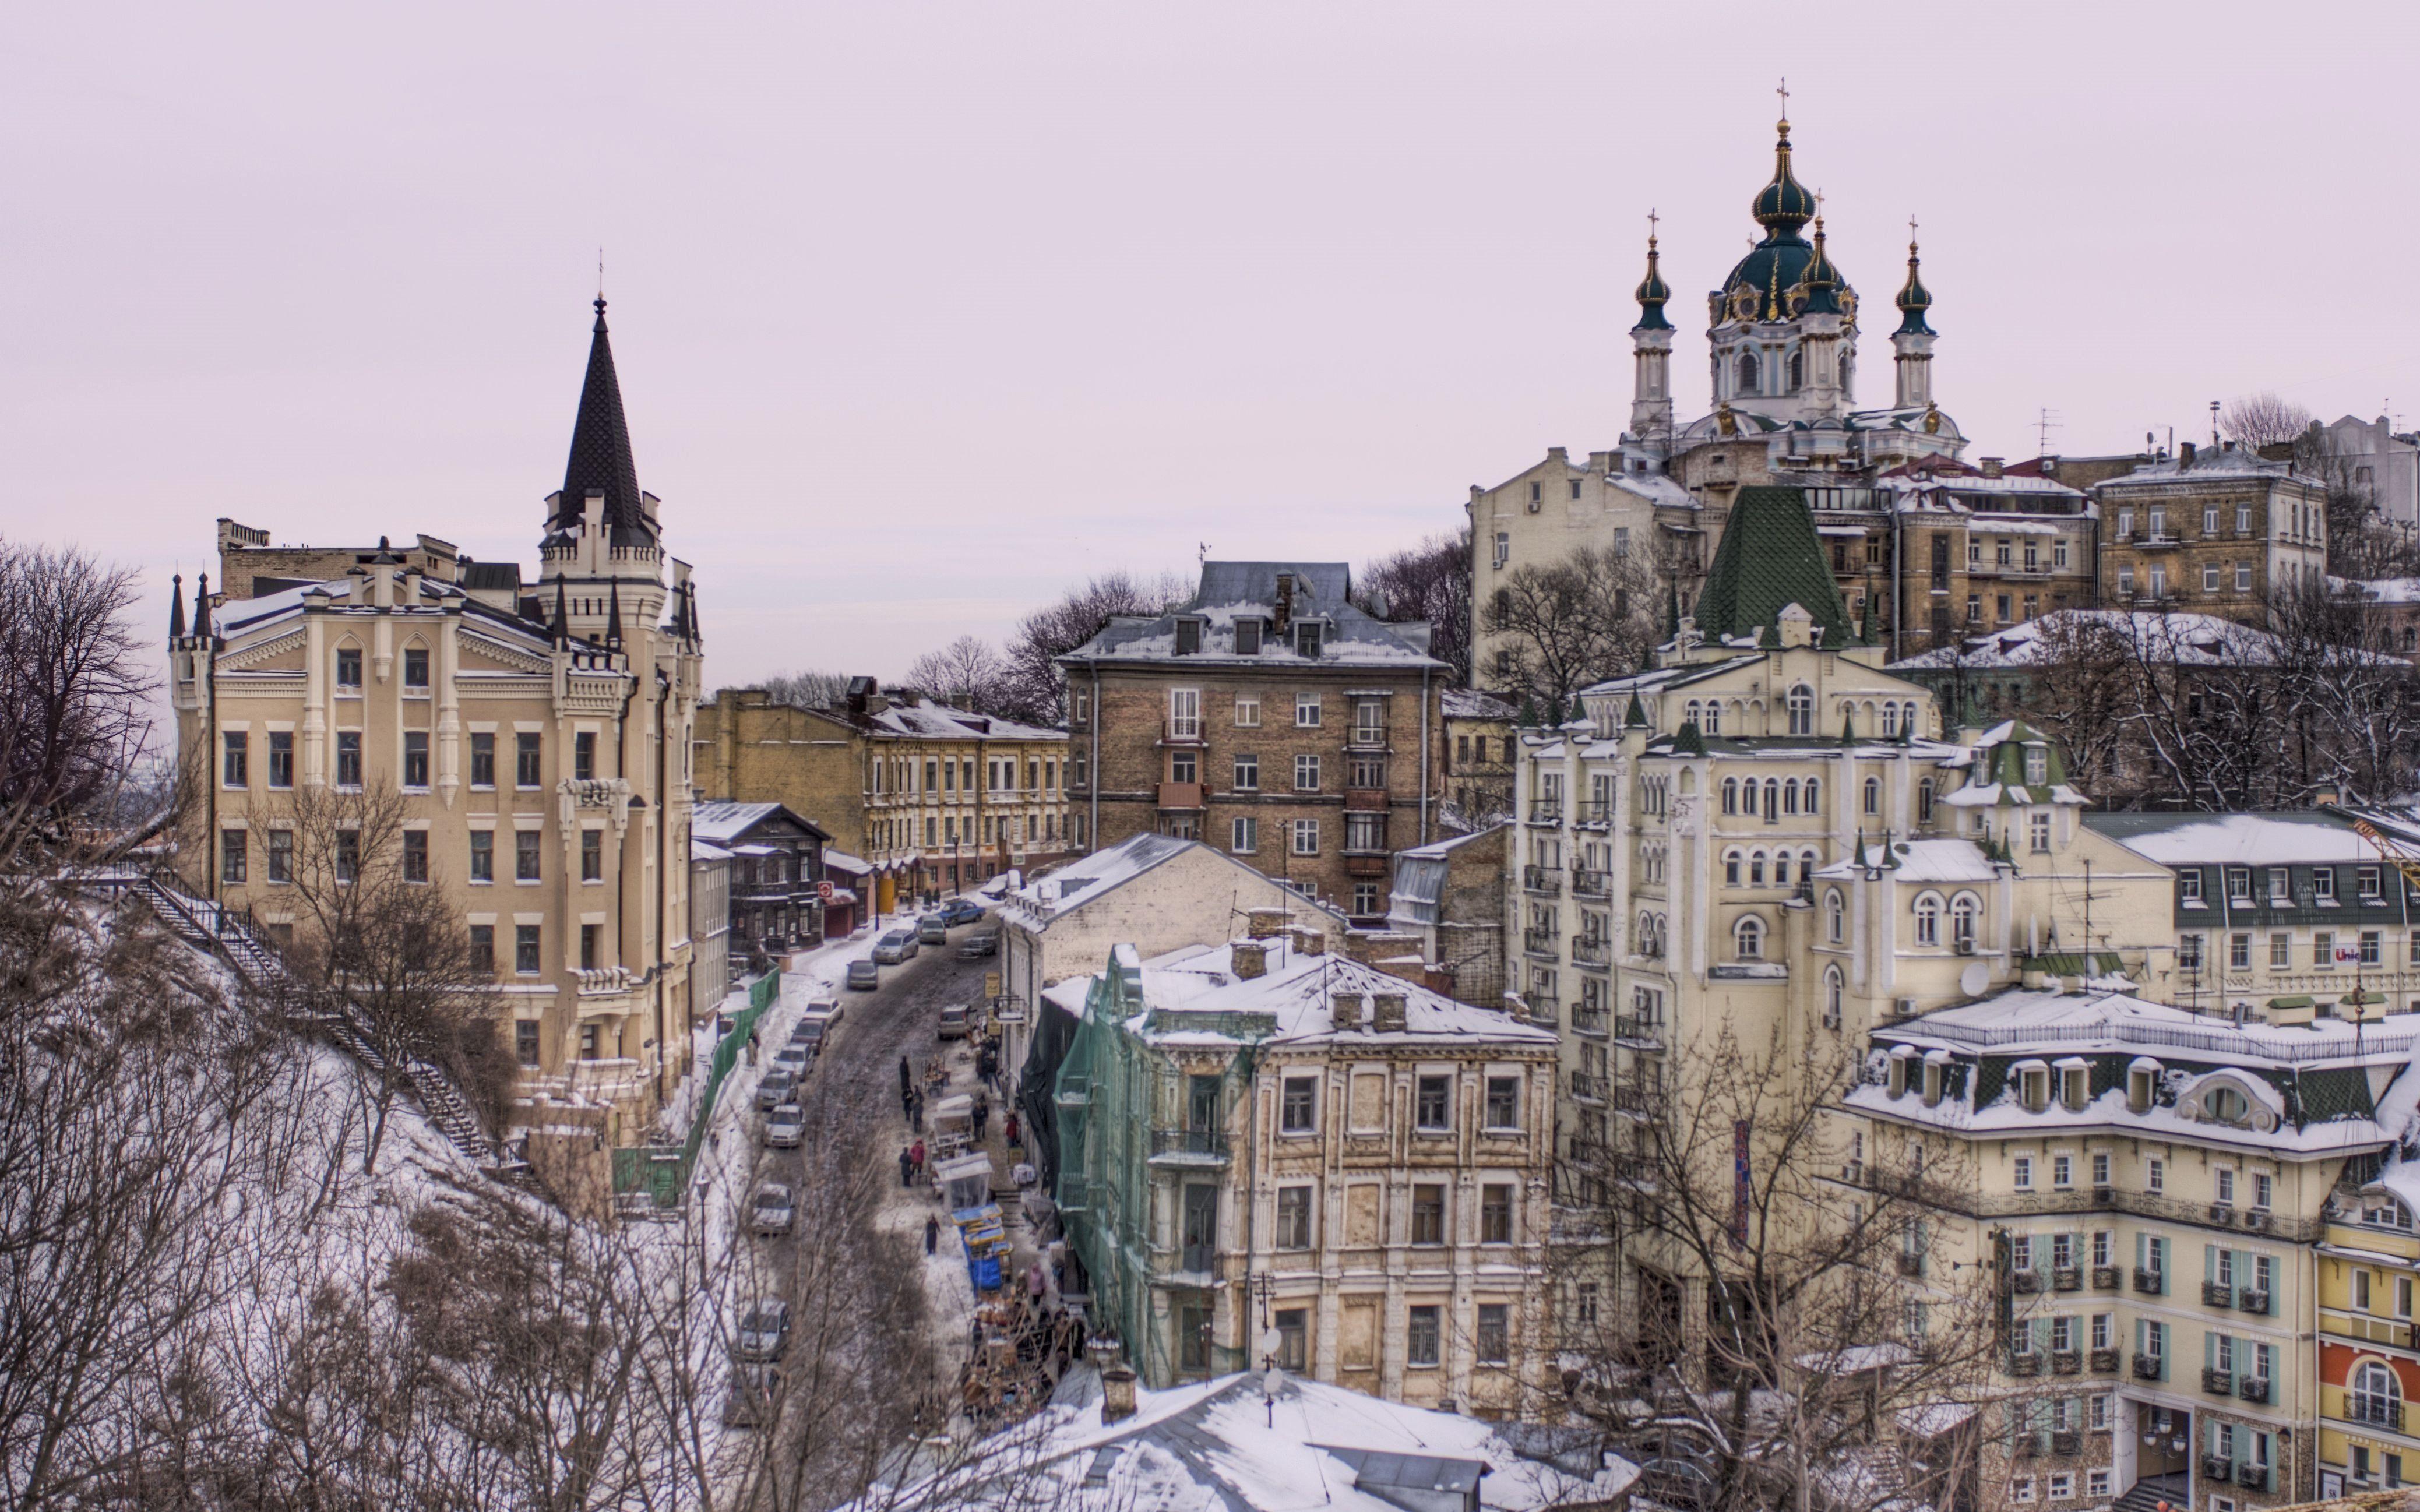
773 1210
786 1126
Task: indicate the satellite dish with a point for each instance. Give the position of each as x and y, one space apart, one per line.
1973 979
1271 1342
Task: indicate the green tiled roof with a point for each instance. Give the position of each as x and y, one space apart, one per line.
1769 559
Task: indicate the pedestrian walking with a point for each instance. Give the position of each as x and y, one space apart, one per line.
904 1081
983 1114
931 1235
916 1112
916 1150
1008 1128
906 1168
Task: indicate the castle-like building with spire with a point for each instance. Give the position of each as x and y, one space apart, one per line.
523 747
1782 407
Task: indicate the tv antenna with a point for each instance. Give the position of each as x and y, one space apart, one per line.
2049 420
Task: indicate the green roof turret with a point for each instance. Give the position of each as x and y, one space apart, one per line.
1784 205
1769 558
1653 294
1635 716
1914 298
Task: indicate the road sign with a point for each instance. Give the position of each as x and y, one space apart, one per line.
824 890
991 984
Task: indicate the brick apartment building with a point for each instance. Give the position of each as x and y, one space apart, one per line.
1270 717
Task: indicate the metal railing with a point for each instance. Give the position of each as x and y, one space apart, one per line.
2292 1045
1590 882
1588 1020
1590 951
1540 941
2368 1406
1543 879
1208 1143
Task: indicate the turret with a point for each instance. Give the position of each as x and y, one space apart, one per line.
1651 341
1912 340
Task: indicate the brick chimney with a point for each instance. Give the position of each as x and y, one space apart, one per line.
1390 1012
1995 466
1249 959
1117 1394
1344 1011
1309 941
1265 923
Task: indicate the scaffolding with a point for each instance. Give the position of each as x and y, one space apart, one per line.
1141 1136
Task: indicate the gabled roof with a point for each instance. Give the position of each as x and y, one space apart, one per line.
1080 882
1233 591
601 456
1769 558
724 822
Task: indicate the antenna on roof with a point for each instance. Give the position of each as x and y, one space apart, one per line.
601 272
2048 421
1203 553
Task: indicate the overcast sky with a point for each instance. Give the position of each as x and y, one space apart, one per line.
924 310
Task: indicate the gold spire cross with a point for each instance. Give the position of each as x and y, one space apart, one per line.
1784 92
1651 226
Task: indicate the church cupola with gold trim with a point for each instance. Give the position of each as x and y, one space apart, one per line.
1782 328
1912 343
1651 341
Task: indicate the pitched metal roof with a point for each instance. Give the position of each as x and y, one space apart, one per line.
1769 558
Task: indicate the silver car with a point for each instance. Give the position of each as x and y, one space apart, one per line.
764 1331
773 1210
897 946
786 1126
777 1087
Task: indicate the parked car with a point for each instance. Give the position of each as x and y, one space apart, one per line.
778 1087
810 1034
764 1331
773 1210
826 1003
953 1022
786 1126
864 976
977 946
959 911
793 1057
896 947
756 1395
933 930
819 1027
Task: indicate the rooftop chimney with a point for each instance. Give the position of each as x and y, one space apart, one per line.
1265 923
1390 1012
1311 941
2184 455
1344 1011
1117 1394
1993 466
1249 959
1285 602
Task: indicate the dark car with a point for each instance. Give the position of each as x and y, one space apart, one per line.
864 976
764 1331
976 947
756 1395
959 911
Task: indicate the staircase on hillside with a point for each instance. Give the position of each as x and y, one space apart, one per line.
207 926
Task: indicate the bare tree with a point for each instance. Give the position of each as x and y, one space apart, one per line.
967 674
1570 624
1741 1180
2252 421
73 693
1429 581
808 689
1037 691
378 935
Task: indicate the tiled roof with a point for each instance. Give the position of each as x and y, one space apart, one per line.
1769 559
600 448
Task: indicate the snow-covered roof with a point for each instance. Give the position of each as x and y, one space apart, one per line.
842 861
1944 861
1219 1444
2306 836
1194 997
1471 703
1078 883
700 850
1233 591
927 720
2208 462
2379 589
724 821
2050 1022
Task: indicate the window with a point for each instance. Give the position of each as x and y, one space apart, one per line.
348 855
2209 577
1306 774
483 959
1491 1341
1365 832
2101 1177
583 756
2096 1482
1247 637
231 855
2021 1489
1306 711
1188 636
2189 951
2238 953
1294 1339
1874 792
1835 918
1184 766
1298 1104
2281 951
1495 1212
235 770
415 665
348 667
1730 794
2062 1175
1428 1213
1503 547
1306 837
525 854
2239 884
1369 721
2155 1177
592 856
588 934
415 856
525 767
1750 939
2280 885
349 758
281 855
1248 711
1184 719
1802 710
415 759
483 855
1420 1336
1928 920
525 949
524 1030
2025 1180
1294 1217
2371 954
1433 1103
1504 1103
2244 580
2125 578
2323 949
482 760
2323 883
1247 836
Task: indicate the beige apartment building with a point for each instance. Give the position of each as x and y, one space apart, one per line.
936 800
1269 717
2215 530
538 735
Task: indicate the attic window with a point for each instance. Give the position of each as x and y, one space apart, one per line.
2036 1087
2076 1087
1188 637
1934 1071
1306 640
2141 1079
2381 1211
1247 637
2037 766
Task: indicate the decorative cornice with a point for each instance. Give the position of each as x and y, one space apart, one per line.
236 661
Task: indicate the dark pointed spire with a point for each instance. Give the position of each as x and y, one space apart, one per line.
689 597
1635 716
600 457
202 607
613 615
561 619
176 607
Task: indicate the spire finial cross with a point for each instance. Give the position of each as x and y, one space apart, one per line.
1784 92
1651 226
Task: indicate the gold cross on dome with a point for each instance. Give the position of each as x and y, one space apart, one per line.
1784 92
1651 226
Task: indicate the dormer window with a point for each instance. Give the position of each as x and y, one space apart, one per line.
2142 1081
1188 637
1306 640
2076 1087
1897 1083
2037 766
2188 885
2034 1087
1247 637
1935 1069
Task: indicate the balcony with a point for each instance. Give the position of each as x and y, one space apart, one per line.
2163 542
2104 1278
1180 732
1544 1009
1910 1265
1546 811
1587 1088
1594 1022
1180 796
1545 880
1630 1098
1188 1147
1365 864
2066 1363
1590 883
2378 1411
2218 1382
2026 1283
2104 1361
2253 1388
1366 737
2217 1294
2148 1366
1593 814
2026 1364
1365 800
2066 1442
1590 951
2067 1278
1540 942
2150 1283
1639 1030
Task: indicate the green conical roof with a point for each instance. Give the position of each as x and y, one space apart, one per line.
1634 717
1769 559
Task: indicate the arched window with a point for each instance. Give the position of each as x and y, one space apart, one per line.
1756 870
1961 920
1890 721
1833 990
1807 866
1873 795
1790 796
1797 371
1814 794
1802 710
2376 1393
1907 718
1748 373
1928 920
1771 799
1693 712
1730 794
1749 938
1646 933
1834 922
1714 725
1730 869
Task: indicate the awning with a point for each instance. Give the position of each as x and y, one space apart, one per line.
844 895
